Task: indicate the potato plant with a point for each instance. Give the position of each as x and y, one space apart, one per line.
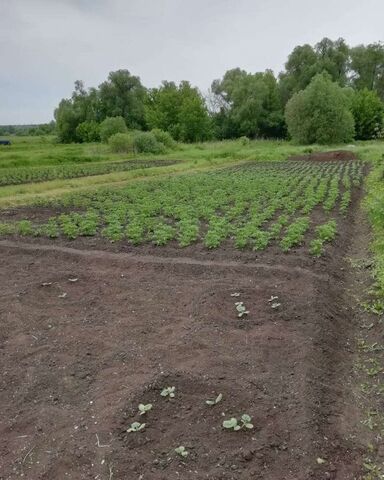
253 207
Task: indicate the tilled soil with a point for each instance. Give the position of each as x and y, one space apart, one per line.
341 155
79 356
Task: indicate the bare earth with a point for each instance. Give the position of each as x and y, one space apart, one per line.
74 367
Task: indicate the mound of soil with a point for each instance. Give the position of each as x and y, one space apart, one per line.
326 156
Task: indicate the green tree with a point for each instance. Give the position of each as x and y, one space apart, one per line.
122 94
179 110
250 104
67 120
367 65
110 126
367 109
306 61
81 107
320 113
88 131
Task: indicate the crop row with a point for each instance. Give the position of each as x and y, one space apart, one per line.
252 207
20 175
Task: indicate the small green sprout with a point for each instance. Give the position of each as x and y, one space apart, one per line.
145 408
168 392
231 424
241 309
274 303
215 401
182 451
234 424
136 427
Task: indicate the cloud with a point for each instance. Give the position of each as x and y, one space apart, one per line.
46 45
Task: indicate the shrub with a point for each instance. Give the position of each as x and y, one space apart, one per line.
367 110
244 140
145 142
320 113
121 143
164 137
88 131
110 126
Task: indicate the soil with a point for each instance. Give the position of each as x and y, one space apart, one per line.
342 155
79 356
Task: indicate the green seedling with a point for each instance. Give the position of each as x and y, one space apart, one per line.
273 302
168 392
136 427
215 401
145 408
241 309
182 451
236 425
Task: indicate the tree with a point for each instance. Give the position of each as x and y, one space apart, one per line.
320 113
67 120
123 95
250 105
162 108
179 110
333 58
367 65
110 126
306 61
88 131
367 110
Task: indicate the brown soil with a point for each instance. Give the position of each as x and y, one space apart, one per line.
76 366
326 156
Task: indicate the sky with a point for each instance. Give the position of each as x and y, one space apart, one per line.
45 45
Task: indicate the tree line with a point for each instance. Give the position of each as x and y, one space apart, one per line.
328 92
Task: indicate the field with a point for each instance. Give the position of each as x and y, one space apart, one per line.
218 281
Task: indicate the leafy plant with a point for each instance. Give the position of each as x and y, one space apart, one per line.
235 424
145 408
182 451
214 401
168 392
136 427
241 309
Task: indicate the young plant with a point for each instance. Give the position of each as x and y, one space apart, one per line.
168 392
136 427
316 247
143 409
241 309
236 425
215 401
182 451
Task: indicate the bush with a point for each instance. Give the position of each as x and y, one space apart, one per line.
320 113
110 126
145 142
244 140
121 143
88 131
164 137
367 110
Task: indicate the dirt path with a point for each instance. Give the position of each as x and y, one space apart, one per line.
77 357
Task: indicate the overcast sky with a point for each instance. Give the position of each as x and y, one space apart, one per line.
45 45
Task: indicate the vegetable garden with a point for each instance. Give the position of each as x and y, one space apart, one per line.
252 206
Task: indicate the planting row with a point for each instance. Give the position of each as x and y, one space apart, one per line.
253 206
20 175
